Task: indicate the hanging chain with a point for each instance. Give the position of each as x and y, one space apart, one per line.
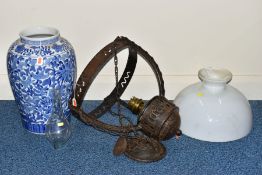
116 78
118 113
120 116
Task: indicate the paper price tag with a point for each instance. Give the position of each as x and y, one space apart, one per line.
200 94
60 124
74 103
39 61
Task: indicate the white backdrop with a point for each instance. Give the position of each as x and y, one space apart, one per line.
182 35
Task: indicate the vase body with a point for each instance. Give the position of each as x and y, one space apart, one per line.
212 110
40 60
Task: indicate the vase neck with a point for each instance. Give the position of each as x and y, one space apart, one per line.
39 36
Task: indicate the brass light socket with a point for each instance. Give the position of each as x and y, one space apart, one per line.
136 105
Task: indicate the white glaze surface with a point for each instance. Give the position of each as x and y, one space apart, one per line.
26 33
215 112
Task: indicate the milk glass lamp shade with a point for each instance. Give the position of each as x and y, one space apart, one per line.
212 110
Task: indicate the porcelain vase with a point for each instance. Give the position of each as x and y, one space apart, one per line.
39 61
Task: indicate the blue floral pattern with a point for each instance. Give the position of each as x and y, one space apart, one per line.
35 69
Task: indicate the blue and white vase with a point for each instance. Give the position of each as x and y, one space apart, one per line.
39 61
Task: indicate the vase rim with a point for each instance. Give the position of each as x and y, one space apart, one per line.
39 35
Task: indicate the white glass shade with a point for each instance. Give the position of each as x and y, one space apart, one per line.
212 110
